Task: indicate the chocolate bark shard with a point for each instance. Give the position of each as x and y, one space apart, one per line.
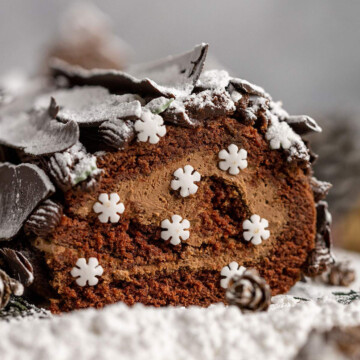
209 104
91 105
23 187
38 132
248 88
321 257
44 218
256 105
2 154
303 124
177 114
19 265
319 188
171 77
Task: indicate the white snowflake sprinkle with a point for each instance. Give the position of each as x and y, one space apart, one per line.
233 159
150 127
86 273
229 271
255 229
280 135
185 180
109 208
176 230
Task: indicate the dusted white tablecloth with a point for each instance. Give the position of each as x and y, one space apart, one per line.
218 332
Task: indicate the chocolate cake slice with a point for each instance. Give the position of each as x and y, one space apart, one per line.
173 180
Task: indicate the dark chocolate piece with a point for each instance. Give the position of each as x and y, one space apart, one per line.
177 114
91 105
209 104
319 188
23 187
44 218
38 132
256 105
248 88
303 124
2 154
117 133
249 292
321 257
19 266
184 70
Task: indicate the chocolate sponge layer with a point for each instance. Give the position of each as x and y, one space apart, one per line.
139 266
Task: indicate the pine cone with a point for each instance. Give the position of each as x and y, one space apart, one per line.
44 219
19 265
71 167
249 292
117 133
339 275
8 286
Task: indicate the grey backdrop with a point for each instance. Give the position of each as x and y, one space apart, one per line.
306 52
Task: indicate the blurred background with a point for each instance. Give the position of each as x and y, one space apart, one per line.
305 53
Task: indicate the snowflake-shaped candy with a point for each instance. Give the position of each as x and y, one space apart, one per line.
150 127
255 229
109 208
229 271
185 179
233 159
280 134
87 272
175 230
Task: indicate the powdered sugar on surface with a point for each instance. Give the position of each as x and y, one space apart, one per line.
214 79
218 333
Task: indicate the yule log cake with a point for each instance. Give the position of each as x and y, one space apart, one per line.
155 186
